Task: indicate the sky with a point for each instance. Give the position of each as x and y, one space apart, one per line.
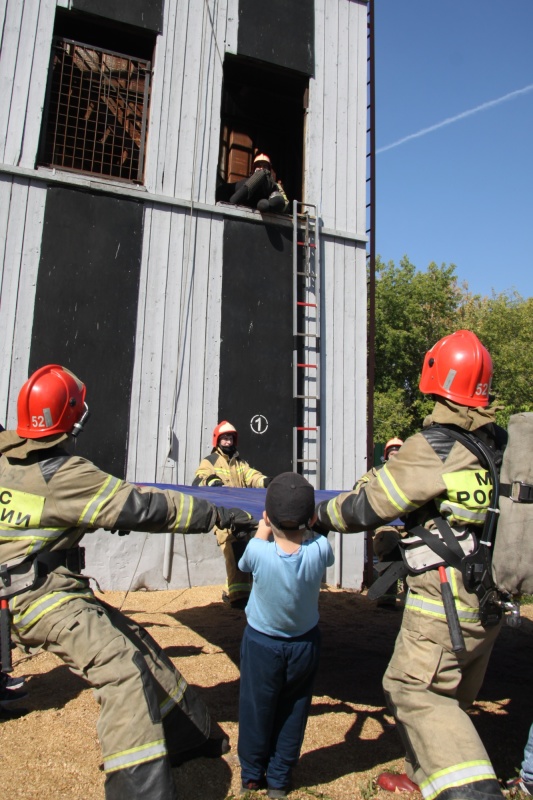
454 138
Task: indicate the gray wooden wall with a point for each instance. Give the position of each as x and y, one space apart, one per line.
176 370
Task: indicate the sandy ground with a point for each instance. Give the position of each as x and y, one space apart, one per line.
52 752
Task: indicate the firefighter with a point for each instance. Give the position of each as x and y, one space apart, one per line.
150 719
392 447
434 478
225 467
260 190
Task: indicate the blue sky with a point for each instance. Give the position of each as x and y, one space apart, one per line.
454 79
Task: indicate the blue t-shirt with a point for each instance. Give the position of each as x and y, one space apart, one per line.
284 597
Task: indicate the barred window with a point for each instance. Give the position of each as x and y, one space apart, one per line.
96 111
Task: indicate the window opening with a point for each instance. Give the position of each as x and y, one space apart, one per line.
263 111
96 110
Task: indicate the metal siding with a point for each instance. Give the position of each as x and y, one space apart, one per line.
21 221
177 344
343 178
182 154
336 117
24 57
37 84
86 309
256 341
178 328
9 60
147 14
278 32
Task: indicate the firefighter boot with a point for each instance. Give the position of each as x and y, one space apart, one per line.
393 782
478 790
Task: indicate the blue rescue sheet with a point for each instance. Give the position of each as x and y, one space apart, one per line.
250 500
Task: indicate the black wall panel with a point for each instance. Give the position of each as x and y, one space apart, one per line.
86 309
280 32
256 342
146 14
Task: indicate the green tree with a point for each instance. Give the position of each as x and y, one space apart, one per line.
504 323
413 310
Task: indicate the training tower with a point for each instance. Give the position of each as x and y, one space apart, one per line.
122 124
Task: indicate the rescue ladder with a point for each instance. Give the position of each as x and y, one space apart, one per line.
306 342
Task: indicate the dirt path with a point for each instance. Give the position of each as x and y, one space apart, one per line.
52 752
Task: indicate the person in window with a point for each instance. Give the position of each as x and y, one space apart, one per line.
260 190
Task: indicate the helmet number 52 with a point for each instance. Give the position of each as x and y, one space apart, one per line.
37 422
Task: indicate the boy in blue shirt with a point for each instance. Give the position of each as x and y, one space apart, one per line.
281 643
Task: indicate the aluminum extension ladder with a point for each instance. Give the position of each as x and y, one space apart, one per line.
306 343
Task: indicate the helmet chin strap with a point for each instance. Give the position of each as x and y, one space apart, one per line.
228 449
78 426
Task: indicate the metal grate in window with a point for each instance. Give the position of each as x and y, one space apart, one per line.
97 108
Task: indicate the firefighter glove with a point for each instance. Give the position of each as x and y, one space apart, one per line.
213 480
236 520
322 523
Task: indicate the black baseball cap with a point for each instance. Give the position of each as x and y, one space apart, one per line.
290 501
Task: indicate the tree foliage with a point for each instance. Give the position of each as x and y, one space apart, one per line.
414 310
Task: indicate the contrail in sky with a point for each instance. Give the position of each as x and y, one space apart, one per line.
464 114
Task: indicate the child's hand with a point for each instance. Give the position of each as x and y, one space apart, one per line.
264 531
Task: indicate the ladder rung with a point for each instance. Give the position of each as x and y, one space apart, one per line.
306 244
298 428
307 460
310 305
307 366
310 335
306 397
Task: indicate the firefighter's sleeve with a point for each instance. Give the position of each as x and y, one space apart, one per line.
83 496
403 484
349 512
253 479
204 472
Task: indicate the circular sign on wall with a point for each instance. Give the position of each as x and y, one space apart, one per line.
259 424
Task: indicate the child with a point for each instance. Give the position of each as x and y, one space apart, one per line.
281 643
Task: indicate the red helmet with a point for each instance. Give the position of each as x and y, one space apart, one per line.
459 368
51 401
224 427
392 444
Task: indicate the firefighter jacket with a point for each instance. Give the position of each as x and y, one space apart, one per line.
385 538
49 499
232 470
431 474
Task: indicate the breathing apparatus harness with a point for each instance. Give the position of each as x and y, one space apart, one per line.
475 568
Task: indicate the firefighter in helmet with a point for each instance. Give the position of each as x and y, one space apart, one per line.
150 719
436 483
225 467
260 190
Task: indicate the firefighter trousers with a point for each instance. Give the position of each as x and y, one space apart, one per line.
429 687
239 584
147 710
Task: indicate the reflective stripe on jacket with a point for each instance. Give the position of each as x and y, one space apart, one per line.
234 471
419 474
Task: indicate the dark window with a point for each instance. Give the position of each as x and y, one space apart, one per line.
263 111
97 103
